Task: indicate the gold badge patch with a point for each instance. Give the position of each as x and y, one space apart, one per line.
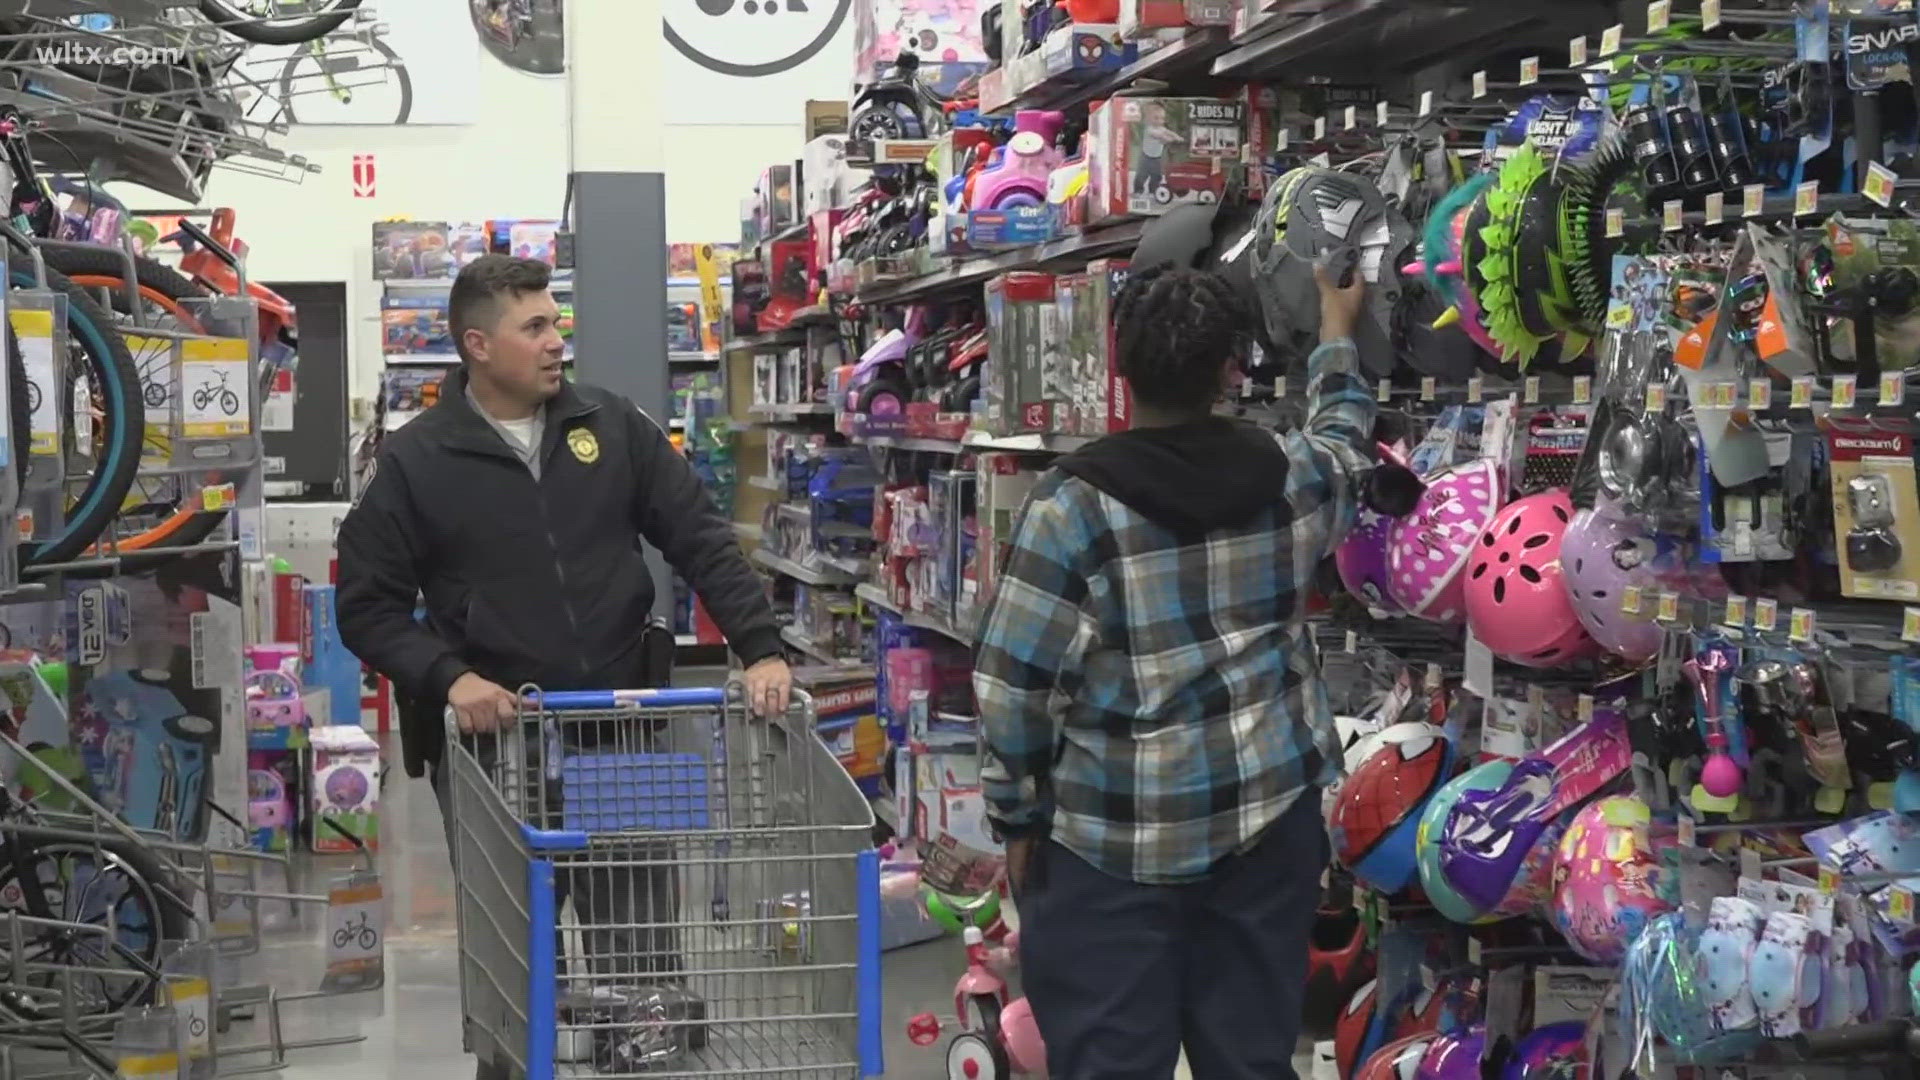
586 448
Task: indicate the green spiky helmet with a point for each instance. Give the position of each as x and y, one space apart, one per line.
1583 225
1517 265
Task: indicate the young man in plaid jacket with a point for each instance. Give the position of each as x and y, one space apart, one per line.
1156 726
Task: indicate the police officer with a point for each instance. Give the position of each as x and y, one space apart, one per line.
515 506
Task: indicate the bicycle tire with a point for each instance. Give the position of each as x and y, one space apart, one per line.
173 923
121 430
398 67
247 27
160 284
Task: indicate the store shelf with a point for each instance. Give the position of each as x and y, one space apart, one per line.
685 639
679 357
1078 248
1191 52
896 442
1036 444
772 339
807 645
766 483
438 359
877 596
791 409
824 577
1336 37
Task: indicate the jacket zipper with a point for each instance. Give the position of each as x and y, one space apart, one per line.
559 572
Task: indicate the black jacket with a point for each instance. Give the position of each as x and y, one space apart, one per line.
530 581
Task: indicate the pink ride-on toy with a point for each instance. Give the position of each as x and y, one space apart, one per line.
1016 174
997 1039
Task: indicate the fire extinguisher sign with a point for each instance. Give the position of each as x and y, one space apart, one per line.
364 175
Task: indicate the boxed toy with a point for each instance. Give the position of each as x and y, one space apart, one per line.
1876 514
776 203
847 721
270 795
405 250
1145 154
416 326
1004 479
346 787
1139 18
1021 317
826 118
828 181
944 33
327 663
1104 391
1076 52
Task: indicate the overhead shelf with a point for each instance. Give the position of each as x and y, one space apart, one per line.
823 576
679 357
1190 53
818 652
1079 248
792 408
1339 37
925 620
771 340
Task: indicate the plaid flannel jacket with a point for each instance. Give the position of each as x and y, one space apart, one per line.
1154 706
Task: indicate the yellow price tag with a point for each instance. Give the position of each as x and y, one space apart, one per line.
1577 51
1846 391
1529 70
1893 388
1610 40
217 497
1616 221
1630 600
1429 387
1723 395
1656 397
1900 904
1736 611
1669 609
1829 880
1716 208
1910 625
1659 16
1878 185
1760 394
1670 216
1533 389
1583 389
1479 85
1800 396
1800 624
1619 317
1766 614
1753 199
1806 198
1584 710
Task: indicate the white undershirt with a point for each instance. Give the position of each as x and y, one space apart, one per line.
521 432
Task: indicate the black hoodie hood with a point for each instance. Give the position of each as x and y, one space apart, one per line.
1192 478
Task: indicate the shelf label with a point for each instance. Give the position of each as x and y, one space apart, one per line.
1474 386
1479 85
1670 216
1577 51
1532 389
1429 387
1800 624
1736 611
1846 390
1766 614
217 497
34 331
1721 395
1610 40
1716 208
1380 114
1910 625
1659 16
216 388
1800 395
1630 600
1829 880
1529 70
1806 198
1319 128
1616 221
1879 184
1350 117
1685 827
1656 397
1584 710
1709 14
1893 388
1383 391
1669 607
1900 904
1426 103
1760 394
1353 642
1753 199
1583 389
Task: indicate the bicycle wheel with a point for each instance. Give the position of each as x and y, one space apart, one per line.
161 515
261 21
98 357
343 60
117 885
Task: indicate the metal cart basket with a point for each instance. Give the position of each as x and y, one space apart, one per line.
724 897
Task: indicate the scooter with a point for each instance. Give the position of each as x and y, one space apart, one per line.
998 1039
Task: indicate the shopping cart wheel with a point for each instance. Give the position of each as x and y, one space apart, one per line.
971 1057
924 1030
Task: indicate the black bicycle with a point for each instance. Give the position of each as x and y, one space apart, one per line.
217 392
359 930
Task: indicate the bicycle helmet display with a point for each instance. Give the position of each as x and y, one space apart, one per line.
1312 211
1428 549
1498 844
1548 1052
1338 963
1488 776
1516 601
1357 1034
1604 553
1454 1056
1515 256
1607 878
1398 1060
1377 813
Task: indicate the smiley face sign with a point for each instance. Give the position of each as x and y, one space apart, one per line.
751 38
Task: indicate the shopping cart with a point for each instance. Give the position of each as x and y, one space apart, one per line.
725 898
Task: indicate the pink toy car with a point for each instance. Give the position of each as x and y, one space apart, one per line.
273 701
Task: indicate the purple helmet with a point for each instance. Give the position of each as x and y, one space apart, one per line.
346 788
1551 1052
1362 560
1455 1056
1427 549
1491 834
1601 556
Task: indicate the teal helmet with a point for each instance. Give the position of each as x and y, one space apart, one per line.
1488 776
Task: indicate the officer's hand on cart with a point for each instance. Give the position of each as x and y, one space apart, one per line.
479 705
769 685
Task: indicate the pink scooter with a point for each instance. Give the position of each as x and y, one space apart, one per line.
1016 174
998 1039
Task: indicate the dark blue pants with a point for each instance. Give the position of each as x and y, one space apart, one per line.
1122 975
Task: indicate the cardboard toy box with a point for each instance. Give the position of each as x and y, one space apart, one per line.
1146 154
1876 514
1021 324
346 787
846 717
1105 392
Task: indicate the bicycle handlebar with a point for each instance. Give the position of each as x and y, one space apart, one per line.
200 236
1886 1035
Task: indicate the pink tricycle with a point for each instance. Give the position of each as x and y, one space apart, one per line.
998 1038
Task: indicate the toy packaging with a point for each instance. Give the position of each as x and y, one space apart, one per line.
346 787
1023 337
417 328
1876 514
944 33
848 723
1146 154
1107 400
328 664
1139 18
405 250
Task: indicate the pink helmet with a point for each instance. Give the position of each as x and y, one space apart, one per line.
1516 602
1428 549
1606 878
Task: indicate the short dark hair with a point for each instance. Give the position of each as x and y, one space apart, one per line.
1176 327
474 300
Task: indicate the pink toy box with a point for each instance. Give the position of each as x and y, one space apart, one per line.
1147 154
945 34
346 787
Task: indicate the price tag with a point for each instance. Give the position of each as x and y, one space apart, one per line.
1893 388
1630 600
1529 71
23 524
217 497
1656 397
1429 386
1280 143
1721 395
1766 614
1670 216
1760 394
1878 185
1383 390
1473 390
1709 14
1610 40
34 331
1900 904
1380 114
216 388
1533 389
1800 624
1353 641
1800 396
1669 607
355 929
1616 221
1716 208
1736 611
1426 102
1846 390
1435 677
1246 388
1584 711
1659 16
1319 128
1351 117
1753 199
1577 51
1687 838
1479 85
1910 625
1829 880
1806 198
1583 389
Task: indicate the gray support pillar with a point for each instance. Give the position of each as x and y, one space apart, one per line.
620 301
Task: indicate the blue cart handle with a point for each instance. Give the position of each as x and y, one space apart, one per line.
563 700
